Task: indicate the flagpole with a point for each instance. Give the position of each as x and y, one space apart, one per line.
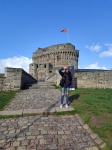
68 37
66 30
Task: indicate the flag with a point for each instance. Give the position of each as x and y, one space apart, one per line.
64 30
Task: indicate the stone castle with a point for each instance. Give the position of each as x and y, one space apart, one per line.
46 62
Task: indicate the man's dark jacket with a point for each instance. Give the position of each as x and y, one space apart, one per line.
66 78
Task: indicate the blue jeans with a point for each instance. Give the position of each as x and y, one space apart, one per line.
65 91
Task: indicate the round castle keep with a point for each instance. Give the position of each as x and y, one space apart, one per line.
45 60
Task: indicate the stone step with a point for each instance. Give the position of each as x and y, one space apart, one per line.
42 85
42 111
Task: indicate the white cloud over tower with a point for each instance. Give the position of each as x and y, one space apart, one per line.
15 62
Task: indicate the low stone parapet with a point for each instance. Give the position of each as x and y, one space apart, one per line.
102 79
2 78
16 78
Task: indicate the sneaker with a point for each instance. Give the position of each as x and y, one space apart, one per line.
61 106
66 105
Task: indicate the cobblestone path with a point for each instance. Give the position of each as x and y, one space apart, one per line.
34 99
44 133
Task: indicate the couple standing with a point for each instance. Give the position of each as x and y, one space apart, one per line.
65 83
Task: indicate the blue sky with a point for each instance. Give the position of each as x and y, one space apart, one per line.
26 25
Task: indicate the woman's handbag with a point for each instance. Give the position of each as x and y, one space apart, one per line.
62 81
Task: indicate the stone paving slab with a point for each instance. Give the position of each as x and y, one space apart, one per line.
58 109
45 133
92 148
42 111
11 113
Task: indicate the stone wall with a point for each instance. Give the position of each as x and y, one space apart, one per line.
26 79
102 79
16 78
13 79
2 78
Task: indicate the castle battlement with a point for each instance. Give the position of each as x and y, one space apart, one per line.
46 59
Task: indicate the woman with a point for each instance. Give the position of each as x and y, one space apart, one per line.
65 83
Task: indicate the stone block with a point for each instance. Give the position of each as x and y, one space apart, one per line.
103 145
93 136
98 140
58 109
85 126
42 111
79 119
91 148
11 113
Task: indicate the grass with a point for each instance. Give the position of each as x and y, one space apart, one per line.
93 101
5 98
95 107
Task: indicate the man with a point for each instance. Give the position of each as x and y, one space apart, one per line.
65 83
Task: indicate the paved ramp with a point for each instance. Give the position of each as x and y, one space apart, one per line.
44 132
35 99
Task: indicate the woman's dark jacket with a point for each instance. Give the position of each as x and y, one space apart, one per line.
66 78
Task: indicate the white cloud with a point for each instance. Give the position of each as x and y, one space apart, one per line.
95 66
108 44
108 52
95 48
15 62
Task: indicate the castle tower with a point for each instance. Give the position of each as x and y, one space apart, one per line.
55 56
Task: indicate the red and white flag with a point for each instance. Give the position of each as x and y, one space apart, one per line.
64 30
